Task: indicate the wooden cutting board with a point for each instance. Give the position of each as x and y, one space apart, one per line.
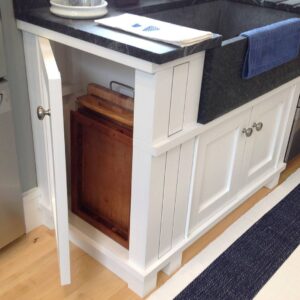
108 103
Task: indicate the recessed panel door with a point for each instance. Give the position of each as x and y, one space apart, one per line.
218 161
269 122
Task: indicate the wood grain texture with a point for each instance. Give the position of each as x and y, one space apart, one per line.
29 270
107 109
111 96
101 160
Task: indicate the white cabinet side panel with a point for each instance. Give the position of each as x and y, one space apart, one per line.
179 86
170 186
183 191
151 106
146 206
290 110
151 123
193 90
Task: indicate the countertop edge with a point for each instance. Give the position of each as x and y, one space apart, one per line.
144 54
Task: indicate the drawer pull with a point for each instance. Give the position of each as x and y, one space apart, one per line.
247 131
41 113
258 126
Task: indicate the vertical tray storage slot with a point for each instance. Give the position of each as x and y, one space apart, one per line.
101 161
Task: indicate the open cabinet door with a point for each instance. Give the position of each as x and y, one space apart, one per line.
45 91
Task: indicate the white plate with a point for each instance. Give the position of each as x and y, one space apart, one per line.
78 12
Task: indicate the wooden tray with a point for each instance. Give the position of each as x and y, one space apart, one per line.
101 161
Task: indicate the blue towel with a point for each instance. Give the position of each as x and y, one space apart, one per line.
271 46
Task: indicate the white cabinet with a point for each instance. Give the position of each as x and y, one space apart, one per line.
163 149
268 121
186 176
218 162
230 163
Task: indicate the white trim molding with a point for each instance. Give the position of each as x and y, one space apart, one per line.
36 214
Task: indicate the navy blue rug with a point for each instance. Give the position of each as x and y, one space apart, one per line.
244 268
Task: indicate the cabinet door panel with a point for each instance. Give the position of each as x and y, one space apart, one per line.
52 88
45 90
218 158
261 155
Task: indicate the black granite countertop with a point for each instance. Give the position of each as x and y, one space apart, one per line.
89 31
37 12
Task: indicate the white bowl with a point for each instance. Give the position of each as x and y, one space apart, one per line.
59 8
82 2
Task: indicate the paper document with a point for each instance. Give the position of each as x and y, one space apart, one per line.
156 30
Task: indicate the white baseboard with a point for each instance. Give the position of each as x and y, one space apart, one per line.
32 212
36 214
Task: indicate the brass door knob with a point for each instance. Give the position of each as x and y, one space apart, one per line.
41 113
258 126
247 131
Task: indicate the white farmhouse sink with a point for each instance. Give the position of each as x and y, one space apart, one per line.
72 9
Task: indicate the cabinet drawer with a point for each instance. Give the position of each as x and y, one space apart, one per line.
101 161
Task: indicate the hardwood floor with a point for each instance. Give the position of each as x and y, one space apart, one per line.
29 269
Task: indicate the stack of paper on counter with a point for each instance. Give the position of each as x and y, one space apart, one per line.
156 30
